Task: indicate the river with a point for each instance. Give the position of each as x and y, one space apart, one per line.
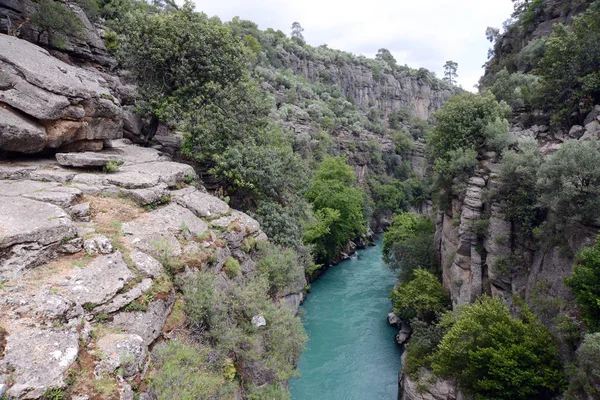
351 352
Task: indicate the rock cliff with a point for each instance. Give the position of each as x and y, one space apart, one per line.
387 91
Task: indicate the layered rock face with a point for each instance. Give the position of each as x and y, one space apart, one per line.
83 265
386 92
48 104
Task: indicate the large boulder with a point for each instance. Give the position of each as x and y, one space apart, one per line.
46 103
30 234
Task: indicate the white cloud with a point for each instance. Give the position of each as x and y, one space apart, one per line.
420 33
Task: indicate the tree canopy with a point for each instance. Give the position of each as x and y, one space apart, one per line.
493 355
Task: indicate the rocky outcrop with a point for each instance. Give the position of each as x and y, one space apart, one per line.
92 293
48 104
425 386
387 91
85 47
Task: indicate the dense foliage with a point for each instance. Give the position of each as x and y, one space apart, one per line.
570 185
569 68
408 244
339 208
57 21
585 372
493 355
464 124
423 298
585 283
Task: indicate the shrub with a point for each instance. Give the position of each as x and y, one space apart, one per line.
110 167
423 298
516 89
480 227
569 68
198 298
281 266
424 340
585 283
403 142
232 267
493 355
461 124
181 372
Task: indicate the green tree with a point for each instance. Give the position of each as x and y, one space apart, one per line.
409 244
518 190
569 69
585 283
57 21
585 373
386 55
493 355
450 74
339 207
569 182
461 123
297 30
190 68
423 298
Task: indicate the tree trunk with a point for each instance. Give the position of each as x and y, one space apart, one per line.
150 131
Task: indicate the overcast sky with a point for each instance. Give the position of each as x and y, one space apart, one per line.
420 33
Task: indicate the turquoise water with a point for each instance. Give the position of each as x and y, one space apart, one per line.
351 349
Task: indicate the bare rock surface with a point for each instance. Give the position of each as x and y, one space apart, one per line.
201 204
87 159
124 351
30 233
37 359
99 281
146 324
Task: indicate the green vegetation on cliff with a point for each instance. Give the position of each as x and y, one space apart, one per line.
493 355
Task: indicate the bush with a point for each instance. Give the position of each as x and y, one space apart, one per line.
232 267
222 317
461 124
585 283
181 372
423 298
409 244
198 298
424 340
516 89
281 266
403 142
495 356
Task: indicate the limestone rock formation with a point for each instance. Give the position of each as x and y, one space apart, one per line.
91 294
46 103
